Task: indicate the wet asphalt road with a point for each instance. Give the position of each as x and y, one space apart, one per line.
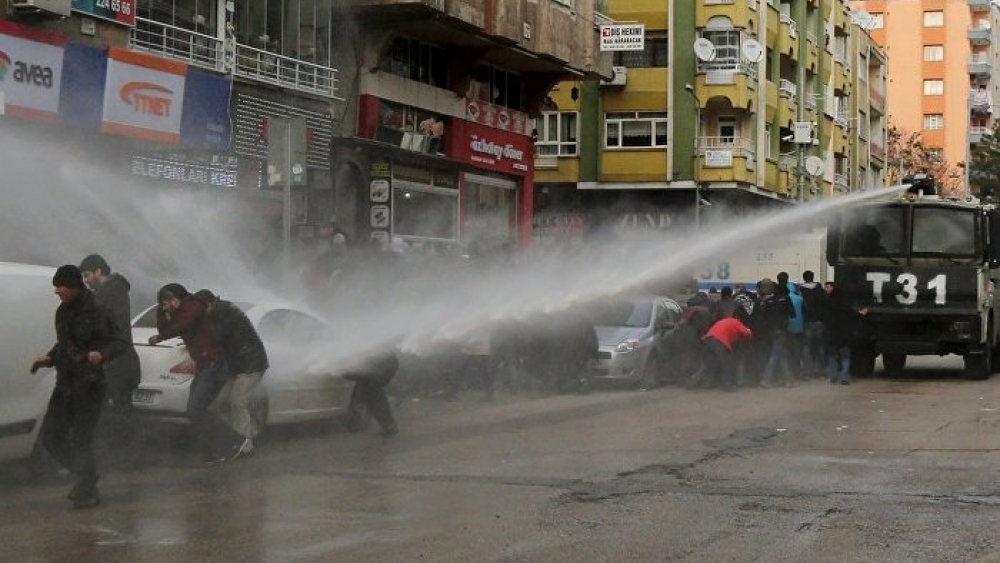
878 471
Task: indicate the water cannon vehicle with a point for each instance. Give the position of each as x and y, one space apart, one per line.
922 268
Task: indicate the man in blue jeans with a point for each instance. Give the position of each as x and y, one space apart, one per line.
180 314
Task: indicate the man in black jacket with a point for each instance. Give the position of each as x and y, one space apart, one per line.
86 337
246 359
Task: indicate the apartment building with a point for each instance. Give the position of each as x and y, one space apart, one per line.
755 103
416 113
941 73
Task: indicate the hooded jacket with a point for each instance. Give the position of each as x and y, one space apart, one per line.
241 345
83 326
112 294
192 324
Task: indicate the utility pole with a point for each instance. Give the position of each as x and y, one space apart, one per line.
696 160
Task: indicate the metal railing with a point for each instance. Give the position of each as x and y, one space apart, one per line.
842 182
793 28
877 150
265 66
206 51
876 98
787 88
189 46
741 146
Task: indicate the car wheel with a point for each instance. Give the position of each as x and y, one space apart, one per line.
357 419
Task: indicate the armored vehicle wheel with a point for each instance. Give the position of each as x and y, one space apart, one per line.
978 366
894 364
862 361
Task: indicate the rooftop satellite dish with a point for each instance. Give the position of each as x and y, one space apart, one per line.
753 51
704 49
814 165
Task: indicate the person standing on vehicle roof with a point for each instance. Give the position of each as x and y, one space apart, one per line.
246 360
86 338
180 314
123 373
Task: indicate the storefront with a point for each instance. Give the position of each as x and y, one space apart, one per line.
433 181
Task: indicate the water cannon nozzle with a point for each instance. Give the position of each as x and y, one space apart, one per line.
921 184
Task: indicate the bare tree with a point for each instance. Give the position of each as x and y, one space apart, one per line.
907 154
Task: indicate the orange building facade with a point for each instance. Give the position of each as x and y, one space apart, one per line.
941 60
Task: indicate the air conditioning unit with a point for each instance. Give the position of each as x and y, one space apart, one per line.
45 8
619 75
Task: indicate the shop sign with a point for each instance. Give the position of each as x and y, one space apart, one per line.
31 65
143 96
644 221
379 191
497 117
559 224
496 150
118 11
718 159
215 170
623 37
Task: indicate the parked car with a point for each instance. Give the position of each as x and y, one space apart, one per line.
289 392
28 305
633 336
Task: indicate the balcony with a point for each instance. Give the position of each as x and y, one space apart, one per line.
876 98
877 150
263 66
250 63
738 146
191 47
979 134
842 183
980 65
980 5
980 34
786 89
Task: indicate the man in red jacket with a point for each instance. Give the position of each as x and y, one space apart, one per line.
719 342
180 314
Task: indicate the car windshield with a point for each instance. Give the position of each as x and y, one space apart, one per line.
623 313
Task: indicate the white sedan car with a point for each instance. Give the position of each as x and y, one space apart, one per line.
288 392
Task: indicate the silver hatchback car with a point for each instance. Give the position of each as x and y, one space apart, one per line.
633 337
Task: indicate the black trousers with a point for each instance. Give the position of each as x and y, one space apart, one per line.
370 392
68 428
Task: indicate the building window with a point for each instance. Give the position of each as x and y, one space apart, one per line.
417 61
727 44
933 121
934 19
635 129
490 222
727 129
933 52
424 212
557 133
496 86
933 87
654 53
299 29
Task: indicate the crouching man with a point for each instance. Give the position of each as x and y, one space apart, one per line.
246 359
86 338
